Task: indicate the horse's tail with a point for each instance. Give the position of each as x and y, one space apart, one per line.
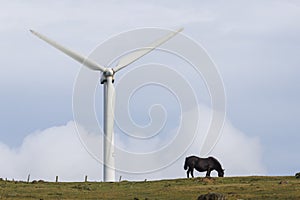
185 164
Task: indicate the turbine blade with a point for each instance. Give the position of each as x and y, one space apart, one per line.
131 57
85 61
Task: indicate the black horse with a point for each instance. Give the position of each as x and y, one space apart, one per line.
202 165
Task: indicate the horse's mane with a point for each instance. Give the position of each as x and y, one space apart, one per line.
216 161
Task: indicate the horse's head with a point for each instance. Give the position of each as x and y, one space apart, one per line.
221 173
185 164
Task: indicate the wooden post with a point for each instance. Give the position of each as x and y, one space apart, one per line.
85 179
120 178
56 179
28 178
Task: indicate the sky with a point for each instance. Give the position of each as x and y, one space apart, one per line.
254 45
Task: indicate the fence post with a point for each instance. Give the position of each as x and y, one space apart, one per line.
120 178
85 179
56 179
28 178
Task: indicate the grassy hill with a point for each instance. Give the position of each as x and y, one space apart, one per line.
254 187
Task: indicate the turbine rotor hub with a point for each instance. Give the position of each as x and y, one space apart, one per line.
109 72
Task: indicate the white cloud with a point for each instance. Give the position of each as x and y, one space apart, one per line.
56 151
239 153
59 151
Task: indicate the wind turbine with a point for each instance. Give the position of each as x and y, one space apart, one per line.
107 80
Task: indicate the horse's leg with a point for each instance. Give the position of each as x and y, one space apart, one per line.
208 172
192 172
188 173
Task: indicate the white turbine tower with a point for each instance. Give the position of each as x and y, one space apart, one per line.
107 80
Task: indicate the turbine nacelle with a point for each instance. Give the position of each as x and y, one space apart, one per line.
107 73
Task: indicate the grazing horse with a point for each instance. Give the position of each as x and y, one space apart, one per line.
202 165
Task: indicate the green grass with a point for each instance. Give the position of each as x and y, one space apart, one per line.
253 187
